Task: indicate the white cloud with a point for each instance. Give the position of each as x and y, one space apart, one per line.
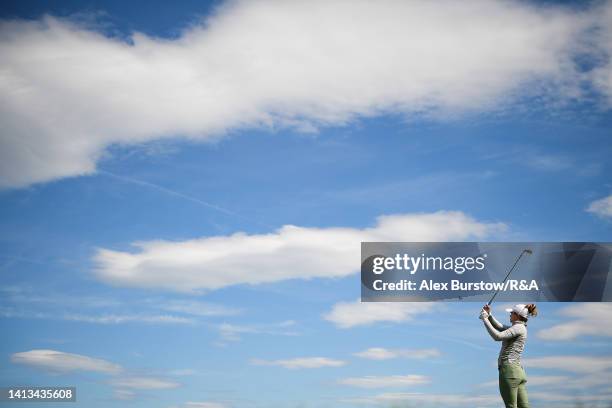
233 332
435 400
143 383
463 400
12 312
68 92
124 395
602 75
204 405
118 319
64 362
25 303
379 353
181 372
124 385
196 308
581 319
301 362
602 207
289 252
385 381
547 162
581 381
572 363
351 314
576 399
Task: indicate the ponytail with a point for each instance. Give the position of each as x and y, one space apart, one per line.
532 309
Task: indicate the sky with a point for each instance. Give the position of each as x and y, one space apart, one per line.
184 189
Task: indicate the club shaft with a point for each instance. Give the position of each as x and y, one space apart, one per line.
507 275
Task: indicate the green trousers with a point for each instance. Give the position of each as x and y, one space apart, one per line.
512 380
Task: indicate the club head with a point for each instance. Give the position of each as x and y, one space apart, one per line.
529 251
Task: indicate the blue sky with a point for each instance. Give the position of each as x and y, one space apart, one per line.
184 190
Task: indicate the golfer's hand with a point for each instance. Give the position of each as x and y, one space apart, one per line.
483 314
487 309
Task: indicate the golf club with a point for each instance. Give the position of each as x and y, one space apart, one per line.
525 251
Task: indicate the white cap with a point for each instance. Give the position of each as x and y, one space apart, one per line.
520 310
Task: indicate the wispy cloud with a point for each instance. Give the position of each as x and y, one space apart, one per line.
379 353
573 363
193 404
579 381
350 314
124 395
182 372
197 308
542 161
25 303
601 207
300 362
574 399
232 332
117 319
401 399
125 385
205 405
581 319
53 360
390 381
548 162
143 383
291 252
10 312
27 295
178 194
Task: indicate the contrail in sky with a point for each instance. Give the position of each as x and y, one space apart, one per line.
178 194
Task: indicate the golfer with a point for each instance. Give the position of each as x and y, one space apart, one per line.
512 378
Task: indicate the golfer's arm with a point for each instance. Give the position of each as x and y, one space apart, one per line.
496 323
499 335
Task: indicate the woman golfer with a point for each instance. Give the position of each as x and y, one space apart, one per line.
512 377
